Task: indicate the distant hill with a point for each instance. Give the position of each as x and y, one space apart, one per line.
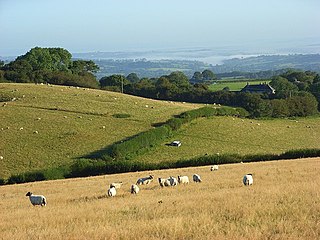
246 65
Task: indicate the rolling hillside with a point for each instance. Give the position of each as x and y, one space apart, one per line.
47 126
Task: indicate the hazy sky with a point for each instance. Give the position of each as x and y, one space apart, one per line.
119 25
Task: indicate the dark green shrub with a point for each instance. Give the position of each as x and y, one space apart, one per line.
300 153
2 181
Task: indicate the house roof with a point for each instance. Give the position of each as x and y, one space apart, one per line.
258 88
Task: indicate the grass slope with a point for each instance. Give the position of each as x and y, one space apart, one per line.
283 203
62 123
219 135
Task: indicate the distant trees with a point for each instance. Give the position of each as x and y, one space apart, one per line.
206 75
51 65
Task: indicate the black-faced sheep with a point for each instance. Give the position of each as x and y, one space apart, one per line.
116 185
183 179
145 180
37 199
112 192
248 179
196 178
134 189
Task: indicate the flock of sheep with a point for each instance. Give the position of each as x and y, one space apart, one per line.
163 182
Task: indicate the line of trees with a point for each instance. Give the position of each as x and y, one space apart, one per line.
297 92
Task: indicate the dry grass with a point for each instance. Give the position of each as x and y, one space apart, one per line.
69 122
283 203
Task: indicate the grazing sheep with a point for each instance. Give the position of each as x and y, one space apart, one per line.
183 179
116 185
112 192
37 199
173 181
214 168
196 178
145 180
134 189
248 179
161 182
166 182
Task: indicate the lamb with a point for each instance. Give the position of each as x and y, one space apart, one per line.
214 168
248 179
112 191
116 185
134 189
145 180
183 179
196 178
37 199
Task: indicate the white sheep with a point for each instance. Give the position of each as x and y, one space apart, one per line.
37 199
183 179
166 182
248 179
145 180
112 192
196 178
214 168
116 185
134 189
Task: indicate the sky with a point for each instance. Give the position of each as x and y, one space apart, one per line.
131 25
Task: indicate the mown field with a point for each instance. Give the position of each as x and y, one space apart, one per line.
52 125
221 135
233 86
283 203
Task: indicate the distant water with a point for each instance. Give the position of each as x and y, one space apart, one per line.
212 56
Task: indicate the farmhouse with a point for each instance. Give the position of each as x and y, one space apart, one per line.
259 88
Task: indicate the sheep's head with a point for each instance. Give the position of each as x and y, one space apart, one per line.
151 176
29 194
159 179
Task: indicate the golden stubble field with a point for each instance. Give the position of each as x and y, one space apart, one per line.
283 203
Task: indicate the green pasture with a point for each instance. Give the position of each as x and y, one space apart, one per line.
219 135
47 126
233 86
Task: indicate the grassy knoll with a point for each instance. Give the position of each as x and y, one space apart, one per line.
283 203
233 86
62 123
220 135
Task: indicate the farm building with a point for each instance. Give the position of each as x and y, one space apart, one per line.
258 88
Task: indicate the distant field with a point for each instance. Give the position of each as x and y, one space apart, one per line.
233 86
282 203
62 123
218 135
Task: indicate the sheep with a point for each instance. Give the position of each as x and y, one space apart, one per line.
214 168
173 181
162 182
183 179
134 189
116 185
112 191
37 199
166 182
145 180
248 179
196 178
